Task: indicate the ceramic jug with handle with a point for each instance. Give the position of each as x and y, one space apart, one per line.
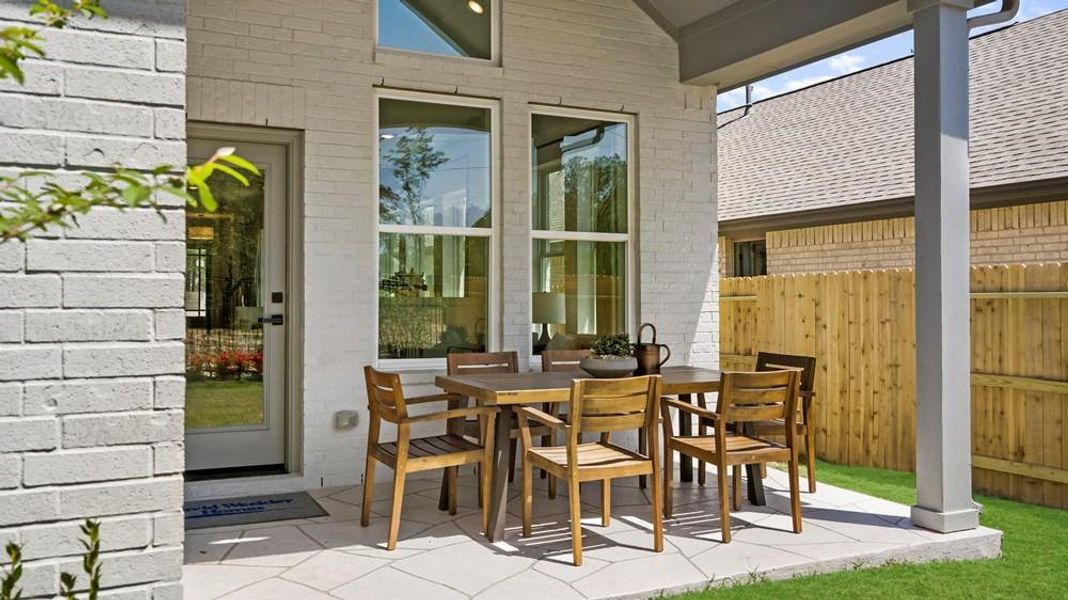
648 353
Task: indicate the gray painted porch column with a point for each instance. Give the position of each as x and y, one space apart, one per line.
943 339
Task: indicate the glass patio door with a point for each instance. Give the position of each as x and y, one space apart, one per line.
235 313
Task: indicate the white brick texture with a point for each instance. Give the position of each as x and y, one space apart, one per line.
80 435
315 68
60 255
88 325
83 466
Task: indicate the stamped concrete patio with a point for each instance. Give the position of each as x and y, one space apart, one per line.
443 557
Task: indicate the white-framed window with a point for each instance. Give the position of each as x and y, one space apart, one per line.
583 223
455 28
437 182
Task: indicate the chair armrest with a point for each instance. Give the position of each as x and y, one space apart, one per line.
456 413
704 413
526 414
529 412
432 398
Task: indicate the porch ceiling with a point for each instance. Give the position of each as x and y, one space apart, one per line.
728 43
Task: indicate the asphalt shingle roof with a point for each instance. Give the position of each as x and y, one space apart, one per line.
849 140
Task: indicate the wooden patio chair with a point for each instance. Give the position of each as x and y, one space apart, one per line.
743 398
555 361
603 406
562 360
767 361
568 360
386 402
474 363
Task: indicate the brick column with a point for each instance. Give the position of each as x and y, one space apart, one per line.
91 319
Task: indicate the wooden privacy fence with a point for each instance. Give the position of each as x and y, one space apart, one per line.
860 326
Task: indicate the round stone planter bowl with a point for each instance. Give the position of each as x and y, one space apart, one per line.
609 368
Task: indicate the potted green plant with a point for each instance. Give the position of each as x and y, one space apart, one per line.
610 356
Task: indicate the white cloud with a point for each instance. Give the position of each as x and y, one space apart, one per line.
846 63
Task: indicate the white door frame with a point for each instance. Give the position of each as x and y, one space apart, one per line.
293 141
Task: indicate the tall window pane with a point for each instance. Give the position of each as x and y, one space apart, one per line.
435 227
580 215
448 27
434 164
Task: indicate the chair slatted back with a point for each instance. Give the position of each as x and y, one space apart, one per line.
768 361
562 360
608 405
478 363
385 398
759 396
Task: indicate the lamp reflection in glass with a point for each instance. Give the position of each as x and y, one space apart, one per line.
548 309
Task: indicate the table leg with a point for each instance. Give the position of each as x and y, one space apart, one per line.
755 485
455 427
685 428
499 493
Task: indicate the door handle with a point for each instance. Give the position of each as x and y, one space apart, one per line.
272 320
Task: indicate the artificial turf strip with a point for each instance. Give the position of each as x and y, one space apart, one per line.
1034 563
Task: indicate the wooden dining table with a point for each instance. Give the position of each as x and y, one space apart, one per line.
507 390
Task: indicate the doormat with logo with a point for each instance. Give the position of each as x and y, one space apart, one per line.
201 514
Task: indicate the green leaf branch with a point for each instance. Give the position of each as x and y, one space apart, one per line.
19 43
12 574
36 200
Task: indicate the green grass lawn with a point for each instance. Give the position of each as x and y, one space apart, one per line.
1034 562
223 403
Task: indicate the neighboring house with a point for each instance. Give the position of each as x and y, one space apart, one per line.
822 178
425 173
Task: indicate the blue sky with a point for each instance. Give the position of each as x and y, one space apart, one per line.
876 53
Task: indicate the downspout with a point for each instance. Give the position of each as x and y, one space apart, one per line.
1008 11
748 99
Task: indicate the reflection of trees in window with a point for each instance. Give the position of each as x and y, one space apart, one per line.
226 250
602 181
414 159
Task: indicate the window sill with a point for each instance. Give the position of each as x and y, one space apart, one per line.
412 365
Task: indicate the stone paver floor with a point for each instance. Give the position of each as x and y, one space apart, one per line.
443 557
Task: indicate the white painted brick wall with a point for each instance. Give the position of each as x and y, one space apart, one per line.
313 66
84 466
29 291
88 325
87 314
10 399
72 396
